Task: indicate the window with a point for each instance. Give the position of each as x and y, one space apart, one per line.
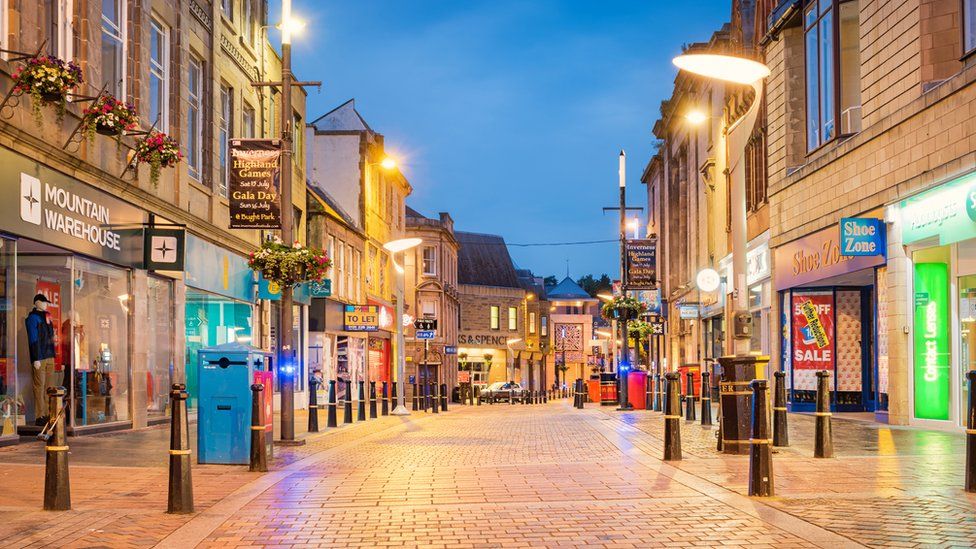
247 121
4 28
430 261
384 266
194 115
357 262
247 22
113 46
969 25
296 141
227 6
226 125
755 165
544 326
341 272
428 309
531 323
158 75
833 92
495 317
57 20
350 288
512 319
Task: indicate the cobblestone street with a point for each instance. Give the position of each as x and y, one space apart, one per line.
542 475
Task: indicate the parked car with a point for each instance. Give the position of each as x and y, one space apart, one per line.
503 391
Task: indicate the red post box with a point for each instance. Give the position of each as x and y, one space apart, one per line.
636 388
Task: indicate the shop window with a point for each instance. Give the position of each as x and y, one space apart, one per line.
113 46
967 336
969 25
226 129
495 320
832 74
194 117
159 347
512 319
430 261
12 402
931 349
158 75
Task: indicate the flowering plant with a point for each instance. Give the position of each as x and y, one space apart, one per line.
109 116
48 80
159 151
289 265
622 307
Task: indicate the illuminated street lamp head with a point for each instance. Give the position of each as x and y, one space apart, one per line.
728 68
402 244
288 23
388 163
696 117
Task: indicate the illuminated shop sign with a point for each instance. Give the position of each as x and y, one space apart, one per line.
931 366
862 236
947 212
818 256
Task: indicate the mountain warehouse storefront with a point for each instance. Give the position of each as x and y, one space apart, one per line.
74 295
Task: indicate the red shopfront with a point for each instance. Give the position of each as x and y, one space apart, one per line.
379 347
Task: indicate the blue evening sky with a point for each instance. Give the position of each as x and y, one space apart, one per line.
509 114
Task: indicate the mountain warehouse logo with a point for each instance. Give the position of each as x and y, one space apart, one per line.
66 212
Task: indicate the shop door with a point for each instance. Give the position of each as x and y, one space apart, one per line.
854 380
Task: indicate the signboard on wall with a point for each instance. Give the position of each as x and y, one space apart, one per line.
931 360
641 264
862 236
813 331
947 211
254 184
816 257
688 310
361 318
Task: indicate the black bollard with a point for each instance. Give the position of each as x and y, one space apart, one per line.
760 445
443 397
332 422
393 395
781 432
657 393
384 400
706 400
313 405
581 389
416 398
180 500
576 394
434 397
672 417
690 398
57 488
259 452
649 392
372 400
824 441
347 403
361 408
971 434
545 396
477 396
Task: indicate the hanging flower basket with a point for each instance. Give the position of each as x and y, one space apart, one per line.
110 116
289 265
159 151
48 80
639 329
622 308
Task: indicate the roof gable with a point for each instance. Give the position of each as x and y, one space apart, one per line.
345 117
567 289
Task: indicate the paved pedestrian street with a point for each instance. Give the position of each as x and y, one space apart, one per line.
506 476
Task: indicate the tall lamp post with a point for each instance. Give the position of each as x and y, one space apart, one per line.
395 247
286 358
624 368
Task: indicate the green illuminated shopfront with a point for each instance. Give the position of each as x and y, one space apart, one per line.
937 231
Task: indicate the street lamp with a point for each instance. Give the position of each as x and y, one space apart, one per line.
736 70
395 247
696 117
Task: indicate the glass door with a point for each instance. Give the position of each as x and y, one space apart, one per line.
967 337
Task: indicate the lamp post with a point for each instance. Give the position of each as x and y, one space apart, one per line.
623 369
395 247
286 358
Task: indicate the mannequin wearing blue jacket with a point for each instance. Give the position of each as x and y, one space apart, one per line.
40 343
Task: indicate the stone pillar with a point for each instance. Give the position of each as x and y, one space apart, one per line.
899 310
139 336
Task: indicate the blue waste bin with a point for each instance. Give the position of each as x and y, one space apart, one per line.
225 374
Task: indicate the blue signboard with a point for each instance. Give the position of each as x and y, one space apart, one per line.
426 334
863 236
321 289
450 350
214 269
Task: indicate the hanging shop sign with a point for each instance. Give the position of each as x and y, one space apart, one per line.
862 236
254 184
165 249
320 289
641 264
688 310
947 212
62 211
931 360
657 328
813 331
361 318
816 257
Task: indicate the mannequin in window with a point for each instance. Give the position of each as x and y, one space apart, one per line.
40 342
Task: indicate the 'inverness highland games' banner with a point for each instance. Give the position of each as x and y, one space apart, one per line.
255 184
641 264
813 331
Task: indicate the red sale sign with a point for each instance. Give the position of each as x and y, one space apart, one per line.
813 331
52 291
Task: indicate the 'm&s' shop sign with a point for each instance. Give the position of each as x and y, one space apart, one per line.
818 256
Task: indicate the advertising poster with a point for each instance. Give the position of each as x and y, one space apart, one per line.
813 332
641 264
52 291
931 341
254 184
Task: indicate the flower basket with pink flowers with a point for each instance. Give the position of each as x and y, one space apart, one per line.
48 80
159 151
109 116
289 265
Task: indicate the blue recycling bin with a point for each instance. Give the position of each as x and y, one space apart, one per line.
225 373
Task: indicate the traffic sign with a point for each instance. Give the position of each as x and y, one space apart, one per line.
425 324
426 334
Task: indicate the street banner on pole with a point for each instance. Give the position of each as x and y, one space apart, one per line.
641 264
254 186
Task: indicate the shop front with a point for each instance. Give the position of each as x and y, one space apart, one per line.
71 277
338 350
938 231
828 321
486 356
220 302
379 356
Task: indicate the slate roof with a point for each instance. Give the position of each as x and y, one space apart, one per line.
567 289
345 117
531 283
483 260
